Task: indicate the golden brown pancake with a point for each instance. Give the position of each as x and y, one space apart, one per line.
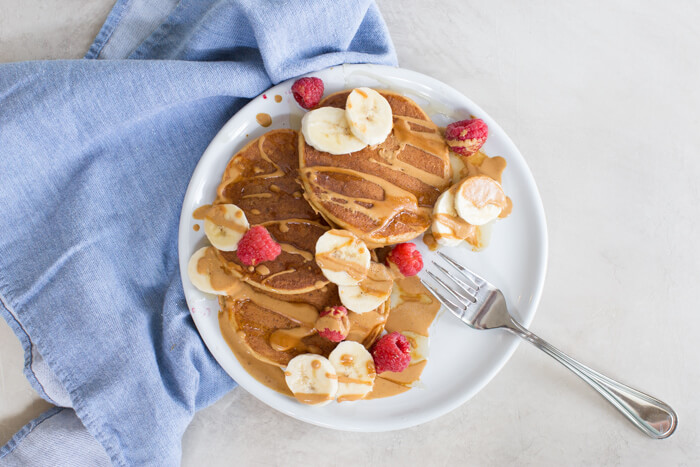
384 194
289 292
261 179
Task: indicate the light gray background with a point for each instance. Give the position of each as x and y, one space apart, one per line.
603 100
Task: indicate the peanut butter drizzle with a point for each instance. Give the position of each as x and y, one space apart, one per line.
460 228
350 397
415 310
286 339
312 399
431 142
196 227
278 98
508 209
231 174
348 380
265 373
262 270
222 280
264 119
396 200
257 195
346 359
217 214
408 376
378 281
269 278
287 248
430 242
333 261
366 327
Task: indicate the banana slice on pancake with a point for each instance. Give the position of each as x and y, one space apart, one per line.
326 129
343 258
479 200
224 226
200 274
370 293
369 115
354 366
312 379
444 216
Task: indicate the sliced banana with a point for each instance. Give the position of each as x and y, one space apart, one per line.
354 366
479 200
327 130
419 346
444 216
312 379
369 115
200 275
374 290
224 225
343 258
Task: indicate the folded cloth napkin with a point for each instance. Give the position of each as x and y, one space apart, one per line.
95 157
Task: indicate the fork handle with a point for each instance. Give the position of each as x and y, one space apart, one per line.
654 417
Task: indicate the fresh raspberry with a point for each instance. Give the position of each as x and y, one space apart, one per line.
466 136
391 353
406 258
333 323
308 92
257 246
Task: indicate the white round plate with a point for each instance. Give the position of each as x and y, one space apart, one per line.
462 360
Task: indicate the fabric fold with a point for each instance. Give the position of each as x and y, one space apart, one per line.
95 158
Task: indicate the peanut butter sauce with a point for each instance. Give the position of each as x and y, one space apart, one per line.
264 119
217 214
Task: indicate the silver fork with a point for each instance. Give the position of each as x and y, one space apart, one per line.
480 305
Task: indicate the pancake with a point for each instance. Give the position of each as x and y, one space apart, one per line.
261 179
384 194
275 333
272 308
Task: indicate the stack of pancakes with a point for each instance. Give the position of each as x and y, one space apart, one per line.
384 194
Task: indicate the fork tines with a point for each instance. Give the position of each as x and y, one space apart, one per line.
466 285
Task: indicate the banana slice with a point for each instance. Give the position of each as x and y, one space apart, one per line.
419 346
444 220
479 200
355 368
327 130
224 225
374 290
369 115
343 258
312 379
200 275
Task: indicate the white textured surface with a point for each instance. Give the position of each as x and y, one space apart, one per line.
602 99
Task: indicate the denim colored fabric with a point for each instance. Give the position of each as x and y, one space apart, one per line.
95 157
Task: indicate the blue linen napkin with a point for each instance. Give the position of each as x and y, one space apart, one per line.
95 157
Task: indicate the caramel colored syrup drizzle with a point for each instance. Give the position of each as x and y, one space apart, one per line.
217 215
419 133
474 165
332 261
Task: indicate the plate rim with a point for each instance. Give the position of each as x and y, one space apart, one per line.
410 77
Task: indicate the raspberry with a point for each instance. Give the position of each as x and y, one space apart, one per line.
391 353
257 246
406 258
308 92
466 136
333 323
